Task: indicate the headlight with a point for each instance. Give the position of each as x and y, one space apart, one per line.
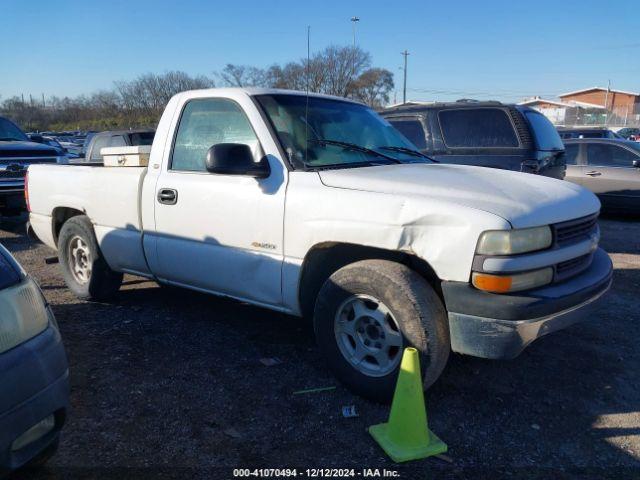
511 242
23 314
513 282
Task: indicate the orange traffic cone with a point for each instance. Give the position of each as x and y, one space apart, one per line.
406 436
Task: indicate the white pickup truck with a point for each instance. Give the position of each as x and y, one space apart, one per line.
315 206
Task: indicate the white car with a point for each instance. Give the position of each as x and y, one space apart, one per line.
315 206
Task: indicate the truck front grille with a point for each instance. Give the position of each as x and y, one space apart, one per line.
572 267
12 174
575 231
25 160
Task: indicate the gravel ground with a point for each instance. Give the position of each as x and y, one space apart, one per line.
168 383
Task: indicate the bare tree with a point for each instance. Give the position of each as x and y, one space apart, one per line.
373 86
243 76
342 71
334 71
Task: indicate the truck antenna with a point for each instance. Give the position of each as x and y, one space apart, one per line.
306 110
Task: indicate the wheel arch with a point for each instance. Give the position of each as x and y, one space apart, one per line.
58 218
325 258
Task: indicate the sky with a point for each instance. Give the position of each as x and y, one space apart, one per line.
504 50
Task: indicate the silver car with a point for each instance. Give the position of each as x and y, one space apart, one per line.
610 168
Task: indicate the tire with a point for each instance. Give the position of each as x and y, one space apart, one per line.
387 293
97 281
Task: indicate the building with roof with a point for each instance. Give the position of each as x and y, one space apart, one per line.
553 110
611 99
590 106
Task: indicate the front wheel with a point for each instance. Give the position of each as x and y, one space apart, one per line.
367 313
84 269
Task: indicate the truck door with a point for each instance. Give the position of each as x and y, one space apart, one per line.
214 232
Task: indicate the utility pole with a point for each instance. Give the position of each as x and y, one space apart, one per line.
405 54
606 103
354 20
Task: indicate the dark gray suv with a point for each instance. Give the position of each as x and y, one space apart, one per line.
485 134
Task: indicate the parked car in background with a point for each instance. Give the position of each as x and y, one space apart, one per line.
315 206
610 168
85 143
52 142
70 145
17 152
586 132
630 133
116 138
34 376
486 134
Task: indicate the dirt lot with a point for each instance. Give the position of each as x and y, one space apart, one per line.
168 383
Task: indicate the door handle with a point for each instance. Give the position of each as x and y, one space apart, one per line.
593 173
168 196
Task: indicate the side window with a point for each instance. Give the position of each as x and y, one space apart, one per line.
412 129
479 128
603 155
143 138
571 153
207 122
99 143
118 141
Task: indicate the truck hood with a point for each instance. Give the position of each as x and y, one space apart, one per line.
25 149
523 199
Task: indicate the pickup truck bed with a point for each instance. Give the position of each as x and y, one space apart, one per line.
115 199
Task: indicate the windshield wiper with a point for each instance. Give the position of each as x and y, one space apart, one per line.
408 151
354 147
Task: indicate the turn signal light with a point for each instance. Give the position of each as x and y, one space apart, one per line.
512 283
492 283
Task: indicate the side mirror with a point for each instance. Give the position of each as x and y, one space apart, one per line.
636 163
235 159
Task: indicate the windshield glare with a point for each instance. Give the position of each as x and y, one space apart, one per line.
8 131
325 119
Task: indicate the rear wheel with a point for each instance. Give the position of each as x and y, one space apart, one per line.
367 313
84 269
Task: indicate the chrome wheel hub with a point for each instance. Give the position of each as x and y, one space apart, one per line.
368 336
79 259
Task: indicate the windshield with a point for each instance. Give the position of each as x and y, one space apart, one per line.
547 136
330 124
8 131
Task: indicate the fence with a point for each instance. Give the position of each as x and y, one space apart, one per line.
580 116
